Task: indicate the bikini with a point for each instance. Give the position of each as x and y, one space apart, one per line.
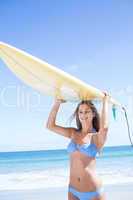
91 151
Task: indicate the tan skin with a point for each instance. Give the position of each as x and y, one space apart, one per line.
83 175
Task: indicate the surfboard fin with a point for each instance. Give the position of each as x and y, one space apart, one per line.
114 112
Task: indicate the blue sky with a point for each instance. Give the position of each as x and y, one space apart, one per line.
92 40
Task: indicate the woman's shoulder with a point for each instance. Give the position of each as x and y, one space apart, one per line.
73 132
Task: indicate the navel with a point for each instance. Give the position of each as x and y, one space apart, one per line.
79 179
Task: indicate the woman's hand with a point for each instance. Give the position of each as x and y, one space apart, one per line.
106 96
59 101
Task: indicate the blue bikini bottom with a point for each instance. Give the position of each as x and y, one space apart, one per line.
85 195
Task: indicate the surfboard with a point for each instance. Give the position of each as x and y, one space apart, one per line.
46 78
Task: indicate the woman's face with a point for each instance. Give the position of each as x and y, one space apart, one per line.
85 114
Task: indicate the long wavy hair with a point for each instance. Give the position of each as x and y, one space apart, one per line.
96 118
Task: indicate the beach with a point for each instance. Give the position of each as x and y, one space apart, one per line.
113 192
44 175
54 57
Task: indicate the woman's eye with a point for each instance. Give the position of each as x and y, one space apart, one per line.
84 112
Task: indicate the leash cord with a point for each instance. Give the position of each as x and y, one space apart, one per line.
130 135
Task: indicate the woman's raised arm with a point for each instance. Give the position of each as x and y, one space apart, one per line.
101 136
51 123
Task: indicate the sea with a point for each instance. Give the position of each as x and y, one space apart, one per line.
50 168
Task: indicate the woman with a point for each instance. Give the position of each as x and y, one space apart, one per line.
86 141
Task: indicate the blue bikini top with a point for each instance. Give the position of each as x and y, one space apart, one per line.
88 149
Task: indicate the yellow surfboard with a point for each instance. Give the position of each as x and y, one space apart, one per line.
47 78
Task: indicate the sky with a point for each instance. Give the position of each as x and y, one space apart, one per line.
91 40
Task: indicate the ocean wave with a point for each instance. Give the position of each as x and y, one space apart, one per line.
55 178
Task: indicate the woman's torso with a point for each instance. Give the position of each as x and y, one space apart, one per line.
83 175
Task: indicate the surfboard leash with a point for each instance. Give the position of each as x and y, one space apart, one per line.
130 134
